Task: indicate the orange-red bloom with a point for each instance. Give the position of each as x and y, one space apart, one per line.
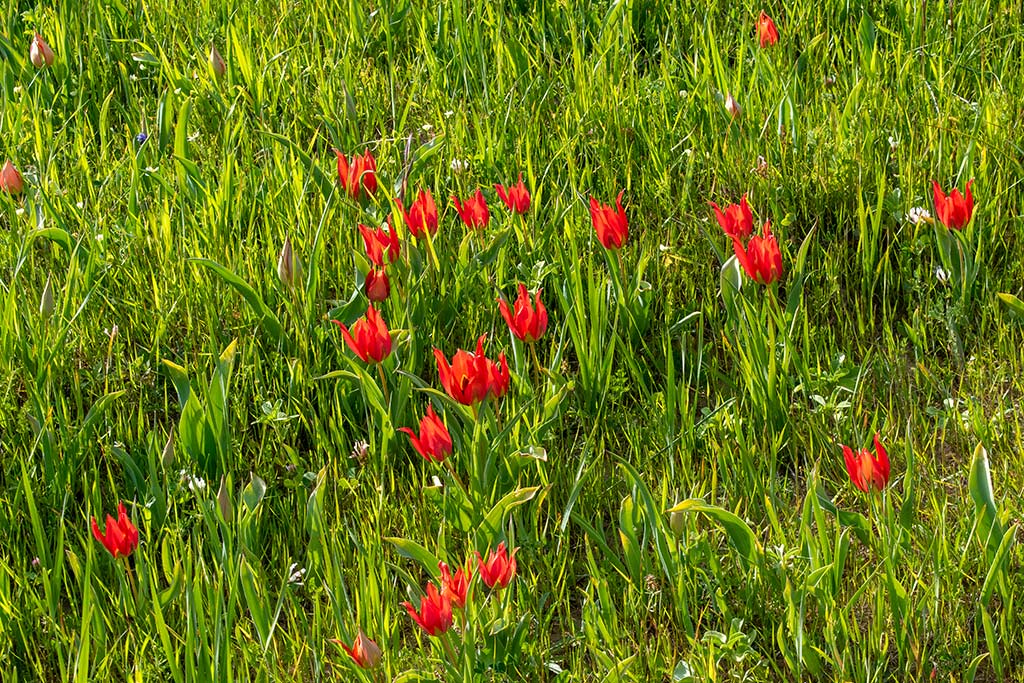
473 211
761 259
11 181
422 214
435 613
472 377
736 220
379 242
39 53
528 321
121 536
954 210
434 442
499 569
868 471
516 197
456 587
364 651
369 338
610 223
357 175
767 34
376 286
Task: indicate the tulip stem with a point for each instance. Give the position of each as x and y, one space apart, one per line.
384 385
536 365
449 651
455 476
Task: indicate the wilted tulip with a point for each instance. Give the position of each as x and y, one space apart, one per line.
473 212
954 210
121 537
761 259
516 197
363 651
289 266
217 62
434 442
421 216
528 320
369 338
376 286
39 53
11 181
767 34
435 613
868 471
736 220
499 569
609 223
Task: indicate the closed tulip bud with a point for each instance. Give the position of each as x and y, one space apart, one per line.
376 286
40 53
610 223
217 62
363 651
767 33
46 304
167 456
732 106
677 522
289 266
11 181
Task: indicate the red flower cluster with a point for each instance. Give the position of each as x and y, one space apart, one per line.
760 258
472 377
121 537
868 471
379 243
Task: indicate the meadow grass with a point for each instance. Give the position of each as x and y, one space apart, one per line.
670 468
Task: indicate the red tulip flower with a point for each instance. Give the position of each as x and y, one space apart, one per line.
767 34
498 376
380 242
499 569
376 286
121 536
364 651
369 338
954 210
761 259
736 220
434 441
357 175
456 588
473 211
11 181
610 223
528 320
421 216
868 471
39 53
468 378
435 613
516 197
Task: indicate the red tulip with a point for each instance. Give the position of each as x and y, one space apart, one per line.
11 181
369 338
357 175
767 34
364 651
516 197
761 259
473 211
434 441
121 537
421 216
39 53
955 210
435 613
610 224
736 220
499 569
472 377
456 588
529 320
376 286
868 471
380 241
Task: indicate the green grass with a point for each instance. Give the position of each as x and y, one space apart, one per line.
660 386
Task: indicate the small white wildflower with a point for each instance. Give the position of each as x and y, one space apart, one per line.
17 90
80 205
448 114
458 165
427 127
296 574
941 275
918 215
19 211
193 137
894 142
99 237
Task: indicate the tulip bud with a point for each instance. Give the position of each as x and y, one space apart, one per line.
732 106
217 62
227 508
11 181
676 521
40 53
377 287
46 304
289 267
167 456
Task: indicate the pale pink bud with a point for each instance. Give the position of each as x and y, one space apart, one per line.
40 53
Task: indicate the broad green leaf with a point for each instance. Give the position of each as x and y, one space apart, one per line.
414 551
1014 305
740 534
990 530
